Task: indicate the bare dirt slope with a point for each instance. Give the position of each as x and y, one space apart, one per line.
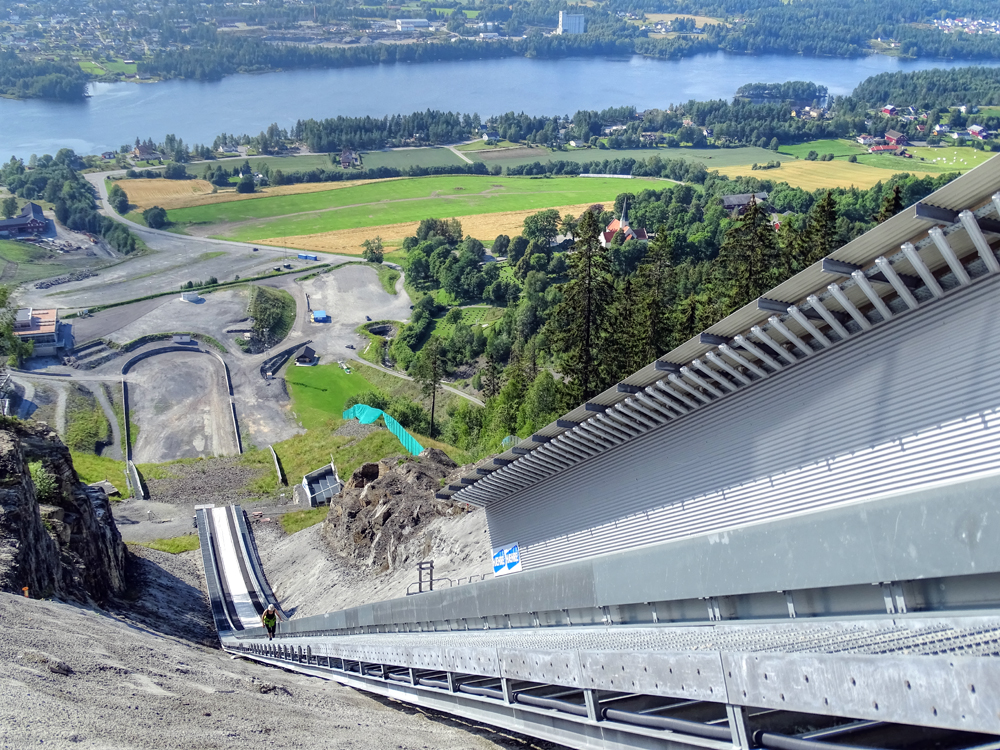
77 677
384 522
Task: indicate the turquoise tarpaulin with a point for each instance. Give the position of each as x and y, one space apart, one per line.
368 414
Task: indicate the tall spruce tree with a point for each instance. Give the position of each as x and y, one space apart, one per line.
749 259
627 347
821 235
579 323
654 295
491 377
892 204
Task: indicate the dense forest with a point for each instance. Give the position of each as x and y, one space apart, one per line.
56 180
24 78
929 89
644 299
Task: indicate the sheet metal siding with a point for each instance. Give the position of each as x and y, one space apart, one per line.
814 435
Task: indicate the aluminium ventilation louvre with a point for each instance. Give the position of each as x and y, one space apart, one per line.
925 252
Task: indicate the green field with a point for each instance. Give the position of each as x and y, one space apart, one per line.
320 392
821 147
175 545
91 67
401 159
481 145
394 201
950 158
712 158
481 315
410 157
33 263
117 66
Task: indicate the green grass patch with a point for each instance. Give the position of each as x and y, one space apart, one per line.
481 145
827 146
92 68
395 201
303 519
118 66
91 468
273 313
411 157
388 276
287 164
175 545
480 315
712 158
33 263
949 158
319 392
86 426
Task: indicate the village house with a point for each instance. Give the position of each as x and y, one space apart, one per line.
978 131
349 158
491 135
738 204
144 152
895 138
29 221
889 110
865 139
622 225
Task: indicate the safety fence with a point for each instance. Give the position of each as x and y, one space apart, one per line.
367 414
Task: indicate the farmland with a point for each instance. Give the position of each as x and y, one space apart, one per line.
484 227
171 194
391 202
712 158
819 175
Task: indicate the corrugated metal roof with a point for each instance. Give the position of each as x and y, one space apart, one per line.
973 191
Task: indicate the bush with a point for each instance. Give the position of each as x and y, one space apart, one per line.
245 185
175 171
853 159
155 217
46 488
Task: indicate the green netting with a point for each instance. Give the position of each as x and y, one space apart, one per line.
368 414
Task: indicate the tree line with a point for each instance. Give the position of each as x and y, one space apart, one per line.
25 78
576 323
57 180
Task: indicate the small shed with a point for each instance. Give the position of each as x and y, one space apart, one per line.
181 338
190 296
306 358
320 316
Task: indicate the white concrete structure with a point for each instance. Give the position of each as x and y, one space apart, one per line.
571 24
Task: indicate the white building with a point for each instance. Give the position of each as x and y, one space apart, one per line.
570 24
411 24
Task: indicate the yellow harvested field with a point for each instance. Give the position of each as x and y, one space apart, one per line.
819 175
664 17
171 194
348 241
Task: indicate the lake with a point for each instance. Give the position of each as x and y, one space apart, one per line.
117 113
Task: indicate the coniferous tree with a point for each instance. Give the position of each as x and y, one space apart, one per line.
749 259
491 377
579 323
892 204
821 235
429 370
654 292
626 350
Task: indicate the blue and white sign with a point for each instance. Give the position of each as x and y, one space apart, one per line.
506 559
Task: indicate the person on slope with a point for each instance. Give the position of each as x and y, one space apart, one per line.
270 619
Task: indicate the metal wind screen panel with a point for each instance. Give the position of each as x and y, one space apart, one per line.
907 405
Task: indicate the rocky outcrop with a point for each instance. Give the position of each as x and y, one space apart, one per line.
379 520
57 536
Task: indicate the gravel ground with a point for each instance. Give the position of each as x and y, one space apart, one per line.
139 679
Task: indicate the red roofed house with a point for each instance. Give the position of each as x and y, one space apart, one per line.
622 224
884 150
895 138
